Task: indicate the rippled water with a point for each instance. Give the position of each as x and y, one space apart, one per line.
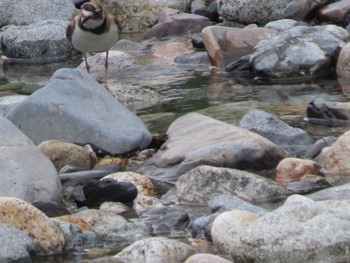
185 89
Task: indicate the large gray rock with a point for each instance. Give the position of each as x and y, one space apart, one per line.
203 183
332 193
73 107
25 172
195 139
298 52
263 11
21 12
294 140
301 230
15 245
139 15
43 41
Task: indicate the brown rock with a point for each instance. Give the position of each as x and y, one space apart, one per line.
77 221
65 153
225 45
112 160
165 53
294 169
48 238
343 69
337 163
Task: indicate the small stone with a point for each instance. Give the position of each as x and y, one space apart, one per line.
294 169
114 207
77 221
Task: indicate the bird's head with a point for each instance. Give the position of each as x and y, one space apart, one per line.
93 15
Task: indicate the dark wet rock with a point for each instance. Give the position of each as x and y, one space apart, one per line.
200 227
75 177
210 11
78 3
51 209
316 149
15 245
166 220
287 234
19 12
96 121
203 183
43 41
173 23
93 193
231 202
195 139
193 58
25 172
298 52
328 113
294 140
197 41
262 12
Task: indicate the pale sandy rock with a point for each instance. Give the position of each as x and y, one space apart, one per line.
139 15
165 53
64 153
114 207
337 163
343 69
48 238
206 258
144 203
155 250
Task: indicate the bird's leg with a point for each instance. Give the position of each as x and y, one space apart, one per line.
86 64
106 74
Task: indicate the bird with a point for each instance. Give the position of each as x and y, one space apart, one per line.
94 29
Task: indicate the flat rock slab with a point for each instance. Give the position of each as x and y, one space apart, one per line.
195 139
73 107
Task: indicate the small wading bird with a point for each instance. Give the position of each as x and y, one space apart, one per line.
93 29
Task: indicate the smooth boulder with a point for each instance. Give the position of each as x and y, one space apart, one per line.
301 230
195 139
44 41
25 172
73 107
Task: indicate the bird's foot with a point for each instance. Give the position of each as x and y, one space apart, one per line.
108 89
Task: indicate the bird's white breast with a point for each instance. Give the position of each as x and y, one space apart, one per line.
86 41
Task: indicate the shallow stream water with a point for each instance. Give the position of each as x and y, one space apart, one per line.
185 89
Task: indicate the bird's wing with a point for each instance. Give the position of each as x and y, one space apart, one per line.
70 29
118 23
